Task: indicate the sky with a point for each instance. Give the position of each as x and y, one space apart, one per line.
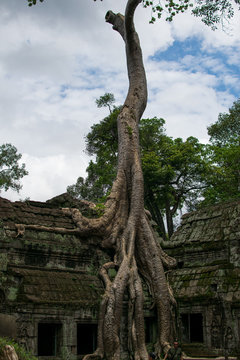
58 57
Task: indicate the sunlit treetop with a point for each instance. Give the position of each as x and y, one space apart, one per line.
212 12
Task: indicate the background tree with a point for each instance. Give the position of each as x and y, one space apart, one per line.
174 176
223 178
226 130
10 169
107 100
101 142
212 12
173 169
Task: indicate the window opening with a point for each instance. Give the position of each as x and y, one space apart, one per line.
192 327
49 337
2 297
180 264
214 287
239 331
86 338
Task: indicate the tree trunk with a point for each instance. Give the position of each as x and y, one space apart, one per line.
128 229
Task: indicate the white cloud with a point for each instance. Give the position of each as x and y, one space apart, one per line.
49 176
58 57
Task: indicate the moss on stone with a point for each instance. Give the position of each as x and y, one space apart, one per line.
3 262
12 293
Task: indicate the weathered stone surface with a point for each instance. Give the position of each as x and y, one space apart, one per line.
47 277
52 277
8 326
207 281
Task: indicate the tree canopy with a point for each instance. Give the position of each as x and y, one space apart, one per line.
10 169
177 174
173 169
223 178
226 130
211 12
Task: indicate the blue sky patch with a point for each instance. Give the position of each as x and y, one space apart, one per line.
179 49
191 56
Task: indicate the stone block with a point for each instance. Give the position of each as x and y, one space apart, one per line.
8 327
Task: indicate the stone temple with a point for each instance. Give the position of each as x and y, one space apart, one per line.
50 289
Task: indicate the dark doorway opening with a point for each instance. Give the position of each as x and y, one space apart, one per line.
150 329
86 338
192 327
49 337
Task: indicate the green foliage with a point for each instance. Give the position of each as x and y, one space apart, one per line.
174 172
177 173
21 352
173 169
10 170
212 12
106 101
226 130
33 2
101 141
168 8
223 178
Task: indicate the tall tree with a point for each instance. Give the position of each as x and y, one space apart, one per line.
10 169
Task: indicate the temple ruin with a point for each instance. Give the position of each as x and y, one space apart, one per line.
50 289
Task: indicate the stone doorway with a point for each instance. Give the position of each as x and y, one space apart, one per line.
192 327
150 329
86 338
49 339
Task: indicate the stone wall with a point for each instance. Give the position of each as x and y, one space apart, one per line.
207 280
49 284
48 280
